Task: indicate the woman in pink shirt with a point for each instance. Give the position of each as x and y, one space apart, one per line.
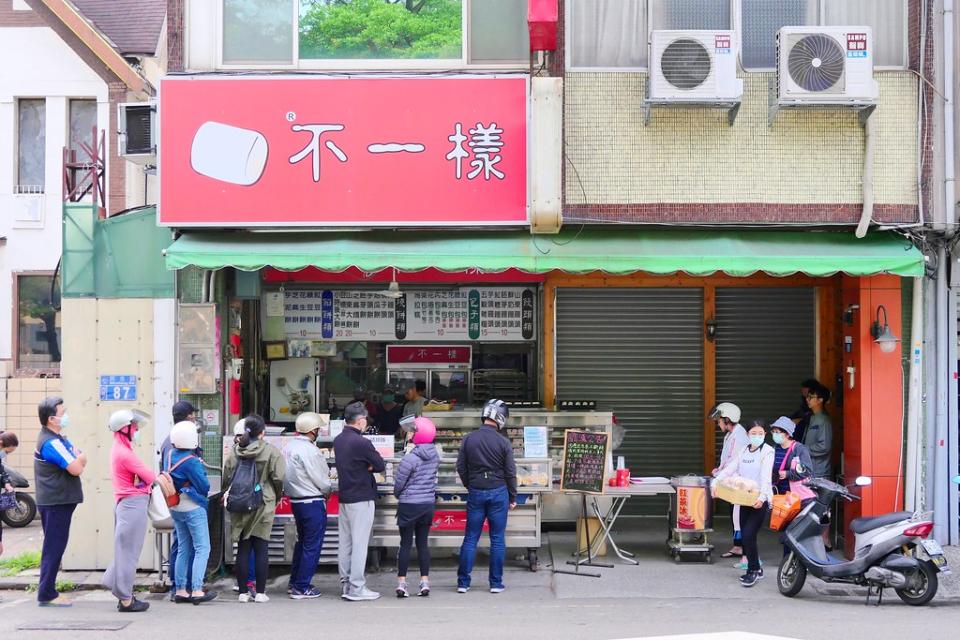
132 480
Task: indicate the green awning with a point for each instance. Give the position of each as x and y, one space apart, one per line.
614 250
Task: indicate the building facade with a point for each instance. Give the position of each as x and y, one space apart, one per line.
715 246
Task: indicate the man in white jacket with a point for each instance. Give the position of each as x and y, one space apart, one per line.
307 484
727 417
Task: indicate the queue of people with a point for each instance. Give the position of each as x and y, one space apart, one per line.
802 448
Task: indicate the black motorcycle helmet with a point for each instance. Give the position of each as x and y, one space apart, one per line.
497 411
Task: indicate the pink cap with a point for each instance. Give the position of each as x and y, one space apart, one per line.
426 431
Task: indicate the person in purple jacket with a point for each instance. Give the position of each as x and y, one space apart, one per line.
415 486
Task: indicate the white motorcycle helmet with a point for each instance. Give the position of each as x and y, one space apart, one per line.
726 410
125 417
184 435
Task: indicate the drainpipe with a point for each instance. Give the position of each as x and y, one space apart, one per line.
944 492
869 144
912 478
950 201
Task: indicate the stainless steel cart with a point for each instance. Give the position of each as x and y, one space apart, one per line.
690 520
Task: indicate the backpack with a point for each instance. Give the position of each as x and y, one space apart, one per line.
165 480
245 494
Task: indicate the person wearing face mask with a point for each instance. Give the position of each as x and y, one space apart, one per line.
792 463
389 413
8 444
57 465
131 488
753 462
726 416
183 411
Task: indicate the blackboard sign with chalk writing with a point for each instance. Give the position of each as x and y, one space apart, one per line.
584 460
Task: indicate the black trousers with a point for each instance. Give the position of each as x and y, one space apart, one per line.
261 560
55 521
414 520
751 521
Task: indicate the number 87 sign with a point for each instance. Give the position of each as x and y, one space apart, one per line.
118 388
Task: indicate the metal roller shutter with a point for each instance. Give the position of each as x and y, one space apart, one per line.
639 353
766 345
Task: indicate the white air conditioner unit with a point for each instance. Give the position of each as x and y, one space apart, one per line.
826 66
693 67
138 125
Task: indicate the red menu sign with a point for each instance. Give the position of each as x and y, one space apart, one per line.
428 354
297 151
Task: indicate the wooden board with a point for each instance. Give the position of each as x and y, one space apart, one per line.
584 461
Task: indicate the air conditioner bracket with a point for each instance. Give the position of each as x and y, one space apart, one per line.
863 108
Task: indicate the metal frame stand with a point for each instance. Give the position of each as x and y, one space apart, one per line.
606 523
578 560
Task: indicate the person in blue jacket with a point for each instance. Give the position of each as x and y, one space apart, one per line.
190 514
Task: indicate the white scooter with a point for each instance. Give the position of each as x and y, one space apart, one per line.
892 550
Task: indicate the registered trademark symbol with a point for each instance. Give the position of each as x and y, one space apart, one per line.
291 116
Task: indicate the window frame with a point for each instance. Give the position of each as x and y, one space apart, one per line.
821 17
18 187
567 41
345 65
736 25
30 372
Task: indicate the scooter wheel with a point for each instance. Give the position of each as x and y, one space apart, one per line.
923 587
791 575
21 515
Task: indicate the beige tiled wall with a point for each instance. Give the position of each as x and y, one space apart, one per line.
19 398
693 156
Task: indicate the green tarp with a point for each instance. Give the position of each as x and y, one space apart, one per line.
614 250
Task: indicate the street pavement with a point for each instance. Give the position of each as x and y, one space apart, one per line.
656 598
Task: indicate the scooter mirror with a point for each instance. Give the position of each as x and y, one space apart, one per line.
864 481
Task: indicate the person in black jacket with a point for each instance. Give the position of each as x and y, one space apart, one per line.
486 468
357 460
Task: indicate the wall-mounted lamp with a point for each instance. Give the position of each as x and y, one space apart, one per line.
882 334
848 313
711 329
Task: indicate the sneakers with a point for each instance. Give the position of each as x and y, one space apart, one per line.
361 595
751 578
463 589
424 589
135 606
344 587
261 598
244 597
402 590
307 594
59 601
497 589
742 565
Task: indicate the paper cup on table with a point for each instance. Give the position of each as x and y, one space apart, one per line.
229 154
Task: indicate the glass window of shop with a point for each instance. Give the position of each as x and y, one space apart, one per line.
316 33
506 371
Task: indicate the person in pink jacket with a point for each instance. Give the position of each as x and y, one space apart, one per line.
132 480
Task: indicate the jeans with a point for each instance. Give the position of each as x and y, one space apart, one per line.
55 521
491 505
751 521
193 536
311 520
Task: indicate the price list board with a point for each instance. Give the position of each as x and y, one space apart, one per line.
584 460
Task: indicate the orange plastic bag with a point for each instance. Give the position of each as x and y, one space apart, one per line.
785 508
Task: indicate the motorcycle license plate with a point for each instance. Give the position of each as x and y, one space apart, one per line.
935 551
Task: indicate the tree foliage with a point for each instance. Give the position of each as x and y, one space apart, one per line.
372 29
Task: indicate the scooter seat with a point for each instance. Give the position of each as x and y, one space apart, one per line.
862 525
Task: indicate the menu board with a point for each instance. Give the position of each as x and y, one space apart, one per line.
584 460
471 313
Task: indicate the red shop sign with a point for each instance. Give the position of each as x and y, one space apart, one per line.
294 151
428 354
453 521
